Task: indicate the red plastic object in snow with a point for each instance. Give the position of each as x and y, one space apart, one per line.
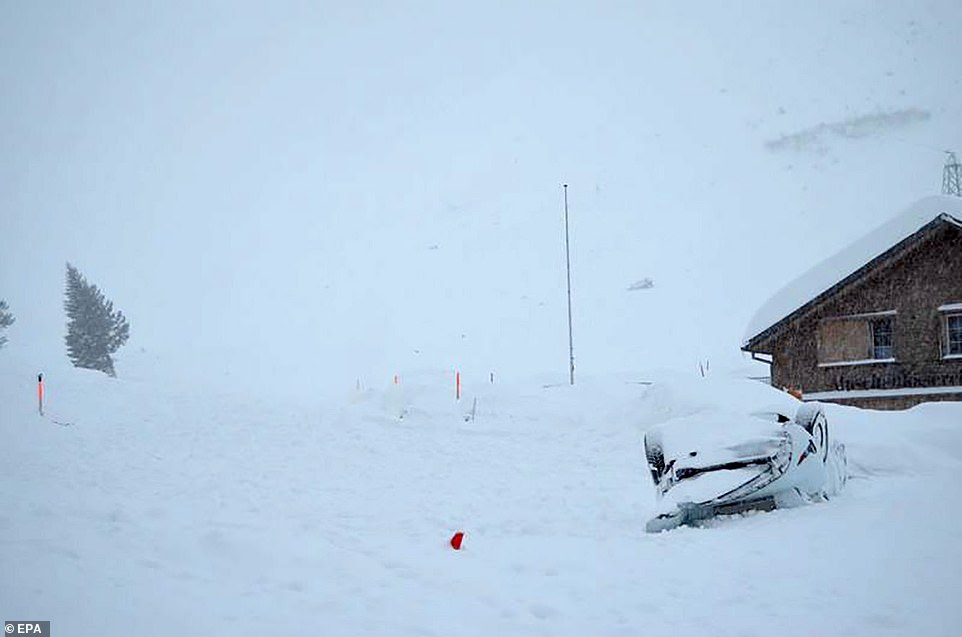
456 540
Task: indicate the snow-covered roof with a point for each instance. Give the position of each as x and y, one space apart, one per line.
836 268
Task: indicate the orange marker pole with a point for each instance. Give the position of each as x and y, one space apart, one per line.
40 393
457 385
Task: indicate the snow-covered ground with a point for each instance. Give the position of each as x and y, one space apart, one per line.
163 509
284 197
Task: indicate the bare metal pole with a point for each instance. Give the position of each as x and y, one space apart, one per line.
571 346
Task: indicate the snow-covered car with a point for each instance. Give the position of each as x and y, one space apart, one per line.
717 464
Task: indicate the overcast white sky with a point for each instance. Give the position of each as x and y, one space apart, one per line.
350 189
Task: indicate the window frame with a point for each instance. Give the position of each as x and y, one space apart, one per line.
874 333
947 350
867 319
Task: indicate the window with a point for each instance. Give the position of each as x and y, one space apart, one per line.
953 328
882 338
856 339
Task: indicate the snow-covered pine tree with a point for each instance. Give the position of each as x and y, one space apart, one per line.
94 329
6 320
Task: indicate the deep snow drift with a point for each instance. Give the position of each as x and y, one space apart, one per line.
162 510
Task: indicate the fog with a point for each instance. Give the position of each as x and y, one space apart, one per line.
309 193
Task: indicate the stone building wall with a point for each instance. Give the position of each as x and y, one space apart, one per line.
914 284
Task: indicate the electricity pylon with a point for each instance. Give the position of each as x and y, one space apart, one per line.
952 175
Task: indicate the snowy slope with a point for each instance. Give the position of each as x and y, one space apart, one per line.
359 190
162 509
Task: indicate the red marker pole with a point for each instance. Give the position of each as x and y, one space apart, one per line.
40 393
457 385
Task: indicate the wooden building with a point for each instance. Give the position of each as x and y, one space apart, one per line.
878 325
